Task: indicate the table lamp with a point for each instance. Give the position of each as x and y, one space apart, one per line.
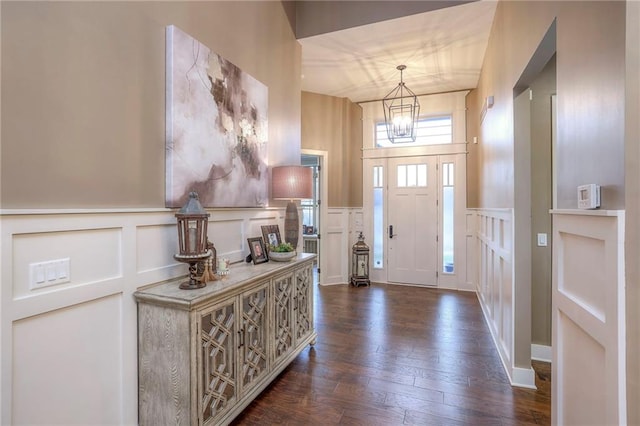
291 183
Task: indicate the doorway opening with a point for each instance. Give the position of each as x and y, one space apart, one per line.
314 210
311 207
533 195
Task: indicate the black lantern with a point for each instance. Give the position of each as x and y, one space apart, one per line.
401 112
192 239
360 263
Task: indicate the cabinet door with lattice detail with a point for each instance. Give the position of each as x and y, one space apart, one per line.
303 302
253 336
283 324
217 382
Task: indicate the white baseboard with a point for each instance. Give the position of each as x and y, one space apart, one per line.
520 377
333 283
541 353
523 377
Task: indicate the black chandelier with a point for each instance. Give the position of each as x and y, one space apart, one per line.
401 110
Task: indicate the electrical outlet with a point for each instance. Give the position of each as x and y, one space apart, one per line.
45 274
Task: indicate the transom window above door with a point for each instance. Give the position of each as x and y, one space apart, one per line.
430 131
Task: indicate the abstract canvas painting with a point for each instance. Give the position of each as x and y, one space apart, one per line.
216 142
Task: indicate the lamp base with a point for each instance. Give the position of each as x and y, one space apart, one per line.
291 225
193 282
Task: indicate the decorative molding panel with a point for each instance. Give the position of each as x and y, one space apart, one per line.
588 333
356 222
82 245
471 247
154 247
495 271
69 355
335 246
78 328
356 225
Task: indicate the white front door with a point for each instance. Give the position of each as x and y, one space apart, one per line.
413 221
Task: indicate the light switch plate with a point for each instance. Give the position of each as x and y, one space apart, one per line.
51 272
542 240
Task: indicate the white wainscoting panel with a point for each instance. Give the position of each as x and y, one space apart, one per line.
472 251
588 308
69 351
67 356
231 238
104 244
155 246
335 241
356 225
495 268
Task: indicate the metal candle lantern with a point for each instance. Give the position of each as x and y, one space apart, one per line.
360 263
401 112
192 239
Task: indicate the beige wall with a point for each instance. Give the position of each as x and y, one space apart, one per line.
335 125
354 149
83 94
590 71
472 120
591 118
632 210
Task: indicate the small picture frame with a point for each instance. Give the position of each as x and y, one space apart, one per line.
271 235
257 249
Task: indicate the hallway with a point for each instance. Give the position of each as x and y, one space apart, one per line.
392 355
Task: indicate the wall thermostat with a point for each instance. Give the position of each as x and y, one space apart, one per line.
589 196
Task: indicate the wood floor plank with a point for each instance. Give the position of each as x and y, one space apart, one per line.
419 418
370 393
398 389
393 355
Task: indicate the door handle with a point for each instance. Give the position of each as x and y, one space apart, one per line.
241 338
391 234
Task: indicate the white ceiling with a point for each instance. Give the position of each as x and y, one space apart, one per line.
443 51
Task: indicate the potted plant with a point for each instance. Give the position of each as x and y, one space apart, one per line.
283 252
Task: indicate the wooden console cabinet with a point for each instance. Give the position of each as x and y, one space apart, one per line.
205 354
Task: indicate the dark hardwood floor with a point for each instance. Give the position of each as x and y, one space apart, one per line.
392 355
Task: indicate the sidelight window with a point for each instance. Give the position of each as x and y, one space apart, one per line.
378 217
447 217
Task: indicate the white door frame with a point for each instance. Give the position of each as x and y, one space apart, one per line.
324 206
378 275
457 280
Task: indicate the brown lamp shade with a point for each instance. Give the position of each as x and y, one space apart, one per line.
291 182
